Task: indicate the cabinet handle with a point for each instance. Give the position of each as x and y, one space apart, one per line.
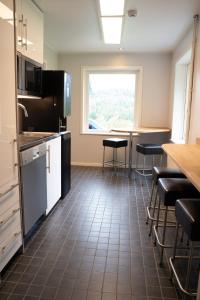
2 249
3 222
25 44
16 164
48 154
9 190
20 38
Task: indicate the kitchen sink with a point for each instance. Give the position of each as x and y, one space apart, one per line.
36 134
31 138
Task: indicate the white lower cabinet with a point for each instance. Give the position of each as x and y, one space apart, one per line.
10 225
53 172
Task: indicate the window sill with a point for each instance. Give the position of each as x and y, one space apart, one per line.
177 141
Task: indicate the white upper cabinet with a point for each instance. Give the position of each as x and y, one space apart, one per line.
29 32
8 147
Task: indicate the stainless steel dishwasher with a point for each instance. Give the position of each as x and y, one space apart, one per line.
34 192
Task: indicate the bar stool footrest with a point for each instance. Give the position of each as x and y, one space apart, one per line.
154 219
142 172
157 236
191 294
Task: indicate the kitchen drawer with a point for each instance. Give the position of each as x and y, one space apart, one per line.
9 248
10 221
10 234
9 199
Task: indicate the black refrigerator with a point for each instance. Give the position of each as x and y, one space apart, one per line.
50 113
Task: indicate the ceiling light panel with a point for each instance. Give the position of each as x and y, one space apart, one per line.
111 7
112 28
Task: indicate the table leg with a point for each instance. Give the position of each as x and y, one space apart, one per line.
130 152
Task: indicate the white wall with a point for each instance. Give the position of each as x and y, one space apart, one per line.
195 110
50 58
87 149
182 48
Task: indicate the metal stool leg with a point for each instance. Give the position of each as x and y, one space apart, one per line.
125 158
150 200
137 158
175 247
144 164
189 268
115 161
157 219
163 235
103 157
153 161
153 213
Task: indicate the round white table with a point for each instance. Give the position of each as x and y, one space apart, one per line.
135 132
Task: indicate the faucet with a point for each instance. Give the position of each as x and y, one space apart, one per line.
24 109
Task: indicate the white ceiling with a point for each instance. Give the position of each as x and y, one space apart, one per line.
74 25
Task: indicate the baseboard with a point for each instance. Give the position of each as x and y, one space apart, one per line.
86 164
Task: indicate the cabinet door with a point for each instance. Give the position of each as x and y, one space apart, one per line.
8 147
10 231
29 29
53 172
33 30
19 19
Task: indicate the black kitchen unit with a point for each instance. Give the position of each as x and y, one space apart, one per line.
49 114
66 163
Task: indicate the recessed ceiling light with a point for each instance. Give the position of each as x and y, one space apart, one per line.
112 28
111 7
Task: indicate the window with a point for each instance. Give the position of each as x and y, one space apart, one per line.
110 98
181 104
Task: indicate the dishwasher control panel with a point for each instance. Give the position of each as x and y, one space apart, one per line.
29 155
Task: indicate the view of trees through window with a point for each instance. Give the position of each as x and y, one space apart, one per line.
111 100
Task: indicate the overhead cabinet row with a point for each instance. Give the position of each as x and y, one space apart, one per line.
29 31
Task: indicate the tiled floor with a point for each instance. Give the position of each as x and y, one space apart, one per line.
93 246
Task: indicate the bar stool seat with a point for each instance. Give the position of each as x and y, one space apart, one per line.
188 217
159 172
169 190
147 149
114 143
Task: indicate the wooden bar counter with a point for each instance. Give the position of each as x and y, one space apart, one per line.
187 158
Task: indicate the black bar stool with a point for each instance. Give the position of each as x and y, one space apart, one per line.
188 217
169 190
147 149
159 172
114 143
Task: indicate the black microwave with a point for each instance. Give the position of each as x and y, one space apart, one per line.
29 77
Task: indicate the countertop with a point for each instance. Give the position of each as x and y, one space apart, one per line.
142 130
29 139
187 158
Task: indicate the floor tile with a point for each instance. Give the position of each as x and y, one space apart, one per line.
93 246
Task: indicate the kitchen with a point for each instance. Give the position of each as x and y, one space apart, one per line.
157 92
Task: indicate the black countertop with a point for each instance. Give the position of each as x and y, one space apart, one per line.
30 139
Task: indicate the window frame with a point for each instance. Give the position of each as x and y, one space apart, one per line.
185 63
85 71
